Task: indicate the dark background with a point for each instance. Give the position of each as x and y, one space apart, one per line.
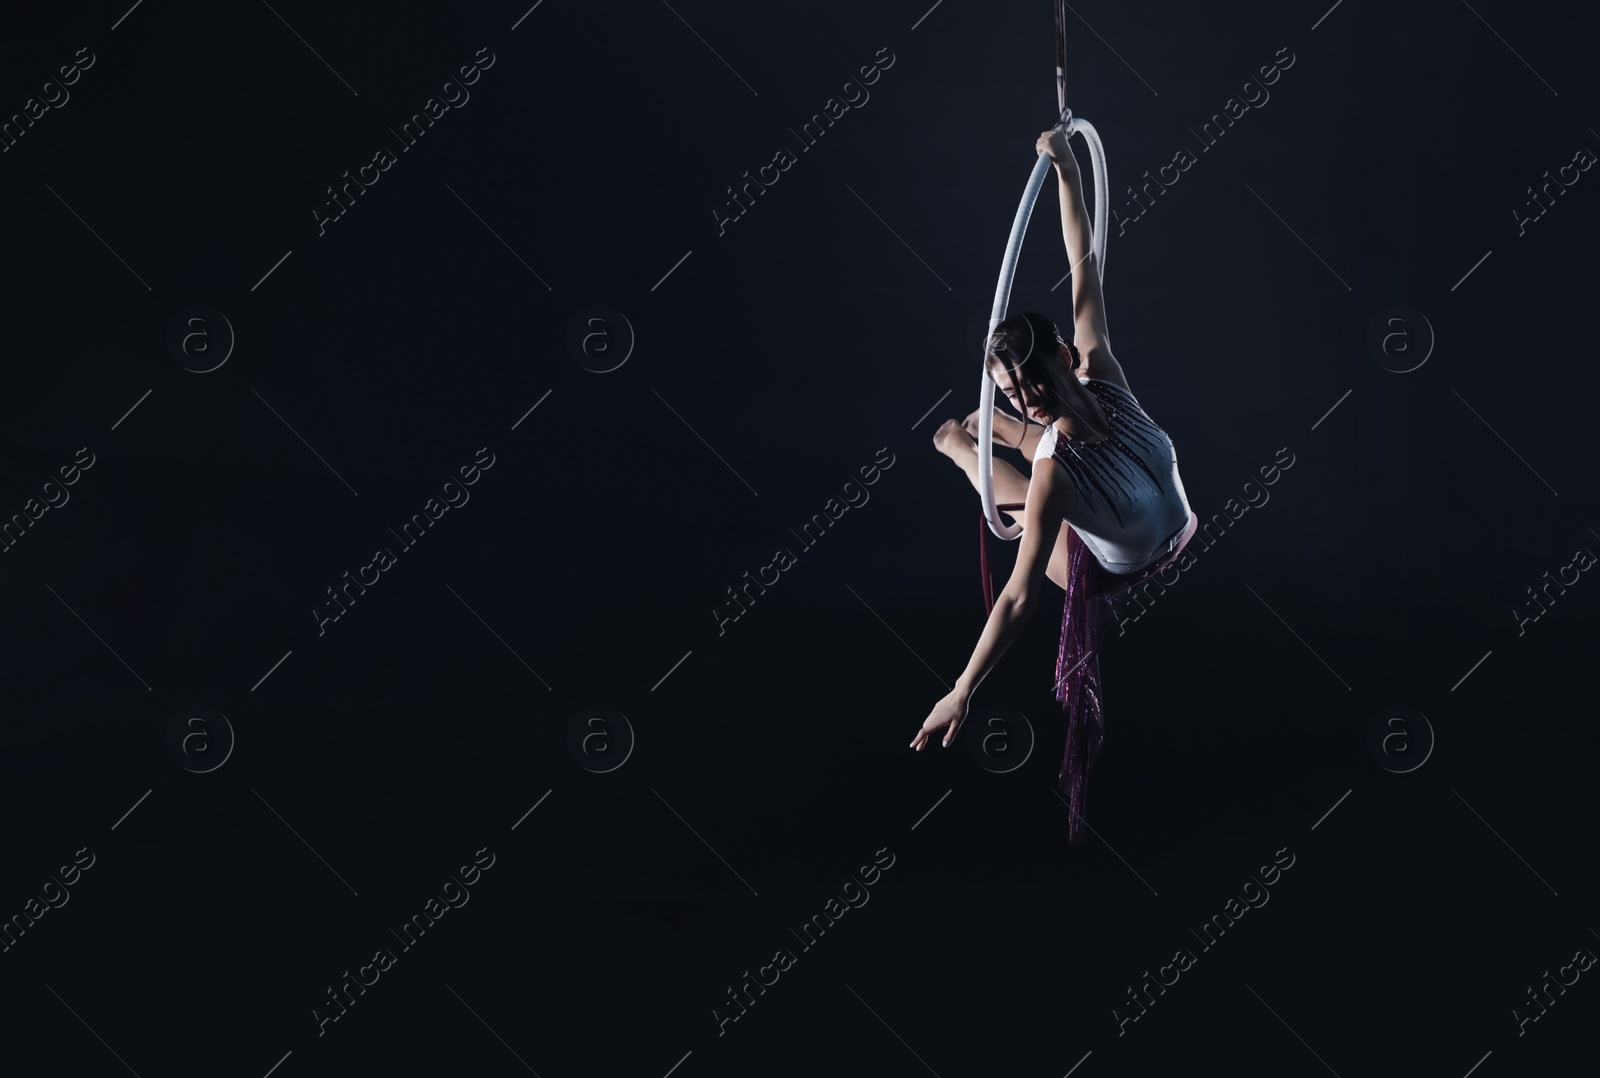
838 317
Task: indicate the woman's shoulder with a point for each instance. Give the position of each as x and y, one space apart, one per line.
1047 444
1100 364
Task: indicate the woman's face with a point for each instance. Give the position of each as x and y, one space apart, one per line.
1036 410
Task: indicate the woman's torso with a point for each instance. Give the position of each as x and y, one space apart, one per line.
1129 500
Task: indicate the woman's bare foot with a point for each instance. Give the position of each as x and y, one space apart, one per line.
952 438
1007 428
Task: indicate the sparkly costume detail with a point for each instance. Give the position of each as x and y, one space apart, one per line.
1131 502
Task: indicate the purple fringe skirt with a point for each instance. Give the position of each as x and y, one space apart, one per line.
1091 591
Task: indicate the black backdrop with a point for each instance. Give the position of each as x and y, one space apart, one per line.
220 806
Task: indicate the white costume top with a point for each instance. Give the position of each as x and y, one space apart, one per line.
1131 505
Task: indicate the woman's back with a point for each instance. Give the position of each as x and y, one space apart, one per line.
1130 505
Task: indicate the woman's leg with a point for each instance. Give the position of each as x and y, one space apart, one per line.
1010 487
1009 431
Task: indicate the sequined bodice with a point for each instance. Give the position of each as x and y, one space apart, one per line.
1130 499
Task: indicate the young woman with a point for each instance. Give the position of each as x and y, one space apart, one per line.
1104 507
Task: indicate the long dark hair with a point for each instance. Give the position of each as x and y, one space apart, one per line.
1023 344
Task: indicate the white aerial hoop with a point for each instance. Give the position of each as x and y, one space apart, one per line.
1075 125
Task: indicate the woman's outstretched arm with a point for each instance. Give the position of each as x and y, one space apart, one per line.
1088 302
1047 501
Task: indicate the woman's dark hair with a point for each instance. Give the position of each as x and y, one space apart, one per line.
1023 344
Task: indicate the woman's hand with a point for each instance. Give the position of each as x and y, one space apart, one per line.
950 711
1054 143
